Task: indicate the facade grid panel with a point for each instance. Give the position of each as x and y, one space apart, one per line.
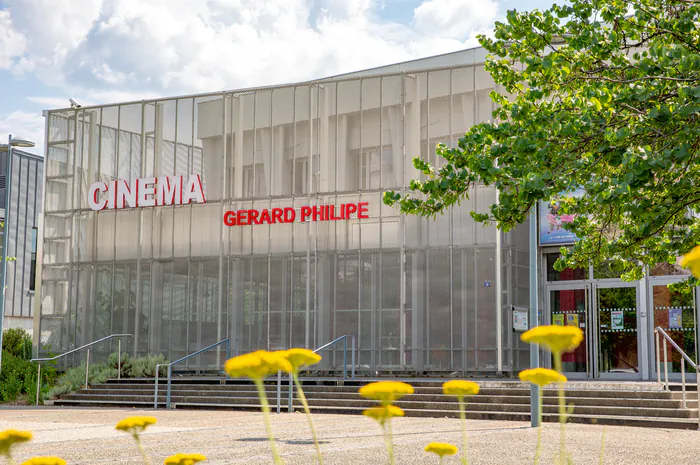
418 294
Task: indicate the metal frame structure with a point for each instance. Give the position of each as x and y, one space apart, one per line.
474 350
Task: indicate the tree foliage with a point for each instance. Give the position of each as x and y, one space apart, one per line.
598 95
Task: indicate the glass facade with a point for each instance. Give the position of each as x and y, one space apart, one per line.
420 295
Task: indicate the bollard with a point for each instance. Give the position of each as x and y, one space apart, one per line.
38 383
658 358
666 364
683 377
279 391
87 368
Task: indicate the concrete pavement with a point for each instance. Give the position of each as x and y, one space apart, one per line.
87 436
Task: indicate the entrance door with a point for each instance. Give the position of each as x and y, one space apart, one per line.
570 306
617 343
607 314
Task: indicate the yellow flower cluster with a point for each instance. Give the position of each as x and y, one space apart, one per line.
691 260
135 425
386 392
300 358
542 376
257 365
184 459
460 388
10 437
383 413
558 339
441 449
45 461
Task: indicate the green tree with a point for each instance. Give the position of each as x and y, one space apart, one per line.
598 95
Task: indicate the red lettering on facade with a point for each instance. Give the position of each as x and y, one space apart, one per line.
289 215
242 217
230 218
363 209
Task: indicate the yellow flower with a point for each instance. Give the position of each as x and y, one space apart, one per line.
299 358
460 388
558 339
135 425
184 459
441 448
386 392
257 365
45 461
541 376
383 413
692 260
10 437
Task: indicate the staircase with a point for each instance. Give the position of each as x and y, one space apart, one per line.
612 403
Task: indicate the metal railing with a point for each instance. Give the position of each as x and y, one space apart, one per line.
344 338
226 341
87 360
684 357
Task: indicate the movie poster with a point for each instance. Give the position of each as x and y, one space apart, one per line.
552 223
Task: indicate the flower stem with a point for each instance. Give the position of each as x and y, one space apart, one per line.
141 449
389 442
463 420
538 449
266 418
602 447
10 460
562 411
300 392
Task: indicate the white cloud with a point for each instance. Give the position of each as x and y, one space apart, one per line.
25 125
12 44
173 46
100 51
455 18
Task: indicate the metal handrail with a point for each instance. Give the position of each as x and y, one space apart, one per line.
343 338
226 341
684 357
87 360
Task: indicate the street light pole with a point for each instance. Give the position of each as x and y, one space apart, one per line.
11 142
5 226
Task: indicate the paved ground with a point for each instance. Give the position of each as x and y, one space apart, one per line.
87 436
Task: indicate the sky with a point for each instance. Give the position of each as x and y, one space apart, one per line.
105 51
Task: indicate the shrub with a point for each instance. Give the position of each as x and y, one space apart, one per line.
145 367
74 378
113 362
17 342
18 376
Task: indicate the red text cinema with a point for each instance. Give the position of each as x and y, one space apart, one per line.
345 211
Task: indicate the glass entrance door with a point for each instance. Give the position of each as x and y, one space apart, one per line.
608 316
617 341
569 306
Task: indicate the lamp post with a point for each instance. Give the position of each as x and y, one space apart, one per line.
11 142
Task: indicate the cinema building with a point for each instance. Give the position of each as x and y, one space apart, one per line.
257 215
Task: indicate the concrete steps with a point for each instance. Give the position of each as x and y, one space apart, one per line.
632 404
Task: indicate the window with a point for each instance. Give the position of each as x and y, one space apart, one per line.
301 175
254 180
32 269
